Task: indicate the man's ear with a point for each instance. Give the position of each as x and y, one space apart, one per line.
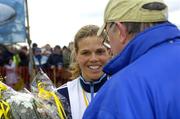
122 32
110 52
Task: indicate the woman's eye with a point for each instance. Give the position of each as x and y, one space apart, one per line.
100 52
85 53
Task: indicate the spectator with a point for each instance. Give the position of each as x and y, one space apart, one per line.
23 55
66 57
56 58
55 63
39 60
34 46
11 74
46 50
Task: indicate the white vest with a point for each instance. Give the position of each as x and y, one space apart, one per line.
76 98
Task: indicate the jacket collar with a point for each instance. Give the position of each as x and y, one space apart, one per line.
96 85
141 44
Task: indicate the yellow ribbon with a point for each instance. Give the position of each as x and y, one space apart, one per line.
85 99
2 86
48 95
60 108
4 106
42 92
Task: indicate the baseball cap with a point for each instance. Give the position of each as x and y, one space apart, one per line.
132 11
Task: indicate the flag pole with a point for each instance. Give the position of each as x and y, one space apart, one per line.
31 62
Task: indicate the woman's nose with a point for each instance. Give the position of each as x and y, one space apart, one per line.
93 57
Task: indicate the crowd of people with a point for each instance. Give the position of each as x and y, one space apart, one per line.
53 60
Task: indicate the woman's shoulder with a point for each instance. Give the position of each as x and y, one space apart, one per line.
64 87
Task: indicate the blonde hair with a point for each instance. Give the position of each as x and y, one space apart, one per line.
84 32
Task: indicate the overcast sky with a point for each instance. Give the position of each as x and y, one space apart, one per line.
55 22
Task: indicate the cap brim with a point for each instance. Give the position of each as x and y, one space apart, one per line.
101 29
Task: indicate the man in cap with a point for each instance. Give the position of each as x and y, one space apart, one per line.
145 76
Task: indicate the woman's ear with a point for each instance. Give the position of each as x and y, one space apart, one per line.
122 32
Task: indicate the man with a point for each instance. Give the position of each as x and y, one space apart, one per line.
145 76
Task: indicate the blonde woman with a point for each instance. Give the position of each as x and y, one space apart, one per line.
90 55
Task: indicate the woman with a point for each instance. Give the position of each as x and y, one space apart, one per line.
90 55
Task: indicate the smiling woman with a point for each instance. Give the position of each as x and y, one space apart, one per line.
90 57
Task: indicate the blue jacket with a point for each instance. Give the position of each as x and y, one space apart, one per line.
145 82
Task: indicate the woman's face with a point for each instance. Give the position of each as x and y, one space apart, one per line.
91 57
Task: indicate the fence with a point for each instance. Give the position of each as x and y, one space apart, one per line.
57 76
